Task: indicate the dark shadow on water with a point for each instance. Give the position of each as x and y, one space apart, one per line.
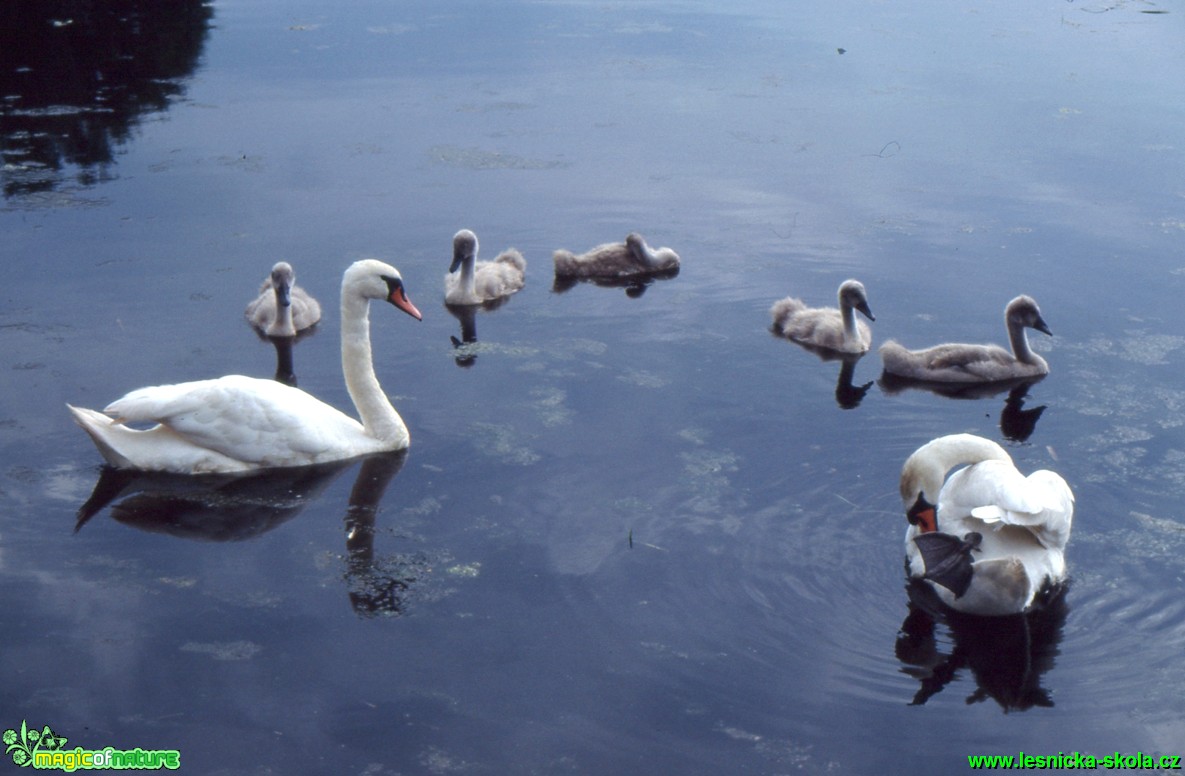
77 76
1007 656
635 285
1016 422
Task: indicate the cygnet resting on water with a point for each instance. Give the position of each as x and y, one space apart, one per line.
282 307
481 281
827 327
958 363
616 260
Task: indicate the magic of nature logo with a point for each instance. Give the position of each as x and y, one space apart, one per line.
46 750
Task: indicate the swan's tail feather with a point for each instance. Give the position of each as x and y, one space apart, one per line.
895 358
1006 584
783 309
512 257
565 262
95 424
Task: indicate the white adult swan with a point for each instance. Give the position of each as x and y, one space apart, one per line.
236 423
282 307
989 539
827 327
616 260
956 363
481 281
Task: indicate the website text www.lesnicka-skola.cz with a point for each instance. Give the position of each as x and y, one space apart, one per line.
1116 761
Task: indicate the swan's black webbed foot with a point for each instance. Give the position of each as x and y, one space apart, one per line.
948 559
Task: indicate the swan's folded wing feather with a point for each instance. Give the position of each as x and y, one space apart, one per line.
967 357
497 278
990 514
513 258
1019 500
1041 502
989 484
820 325
306 310
248 419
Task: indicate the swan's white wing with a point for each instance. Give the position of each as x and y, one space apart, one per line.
988 483
1027 500
1051 524
996 494
245 418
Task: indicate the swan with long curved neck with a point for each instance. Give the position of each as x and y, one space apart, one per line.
958 363
616 260
827 327
237 423
282 307
481 281
987 539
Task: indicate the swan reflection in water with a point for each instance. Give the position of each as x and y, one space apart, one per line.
635 286
208 507
1016 422
466 348
848 395
285 369
231 508
1007 656
377 586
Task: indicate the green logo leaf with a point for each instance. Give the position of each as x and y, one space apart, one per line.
22 746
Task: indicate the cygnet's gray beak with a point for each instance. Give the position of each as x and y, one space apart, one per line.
283 293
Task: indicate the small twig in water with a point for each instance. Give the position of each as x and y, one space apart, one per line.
882 155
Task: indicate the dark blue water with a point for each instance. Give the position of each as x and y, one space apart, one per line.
634 533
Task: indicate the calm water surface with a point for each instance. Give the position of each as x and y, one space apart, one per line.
635 533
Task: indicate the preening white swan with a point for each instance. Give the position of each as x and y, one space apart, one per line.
236 423
481 281
616 260
282 307
989 539
955 363
827 327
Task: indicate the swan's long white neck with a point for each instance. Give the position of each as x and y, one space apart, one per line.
466 281
379 418
925 470
1019 341
848 313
